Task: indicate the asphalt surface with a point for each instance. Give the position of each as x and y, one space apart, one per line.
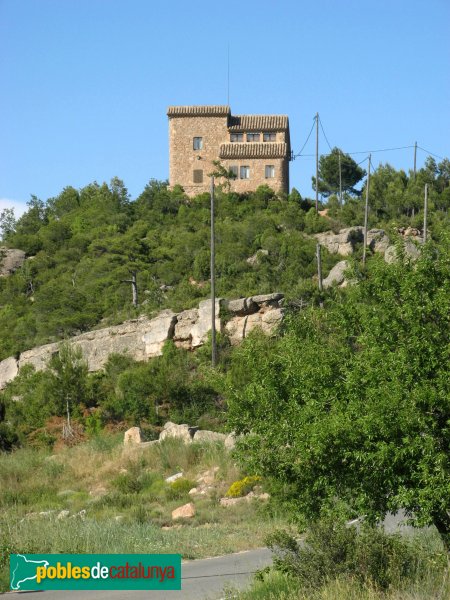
200 580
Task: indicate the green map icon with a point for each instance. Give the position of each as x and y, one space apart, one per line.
23 569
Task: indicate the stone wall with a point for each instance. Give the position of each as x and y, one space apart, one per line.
144 338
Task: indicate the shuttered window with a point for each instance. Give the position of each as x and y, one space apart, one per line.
198 176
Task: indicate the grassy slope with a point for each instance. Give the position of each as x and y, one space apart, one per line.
100 477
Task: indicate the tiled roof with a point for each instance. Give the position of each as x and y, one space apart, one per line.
263 150
258 123
198 111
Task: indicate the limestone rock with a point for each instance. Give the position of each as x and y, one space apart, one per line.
187 511
8 370
342 242
38 357
11 259
377 240
265 300
209 436
255 259
161 329
241 306
172 430
207 477
201 328
63 514
336 275
227 502
230 441
132 436
183 328
412 252
173 478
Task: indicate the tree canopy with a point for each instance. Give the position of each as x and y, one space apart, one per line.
336 170
353 402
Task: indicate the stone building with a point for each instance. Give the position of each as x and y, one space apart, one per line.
255 147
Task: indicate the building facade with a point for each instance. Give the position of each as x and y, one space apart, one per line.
255 147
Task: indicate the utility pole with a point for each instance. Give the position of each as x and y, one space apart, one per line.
317 162
319 266
213 282
366 212
425 214
415 157
340 179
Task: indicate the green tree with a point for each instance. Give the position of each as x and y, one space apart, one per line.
353 402
7 223
351 173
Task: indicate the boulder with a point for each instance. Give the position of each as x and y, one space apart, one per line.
230 441
266 300
63 514
173 478
412 252
187 511
132 436
377 240
209 436
207 477
241 306
38 357
11 259
336 275
172 430
342 242
8 370
255 259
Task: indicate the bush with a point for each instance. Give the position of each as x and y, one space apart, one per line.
179 488
243 486
333 550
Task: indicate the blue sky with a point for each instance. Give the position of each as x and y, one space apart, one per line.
85 84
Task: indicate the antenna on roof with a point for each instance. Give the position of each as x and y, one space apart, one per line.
228 74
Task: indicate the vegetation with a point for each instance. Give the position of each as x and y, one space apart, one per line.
346 411
362 412
126 501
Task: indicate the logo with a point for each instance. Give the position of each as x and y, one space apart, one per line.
95 572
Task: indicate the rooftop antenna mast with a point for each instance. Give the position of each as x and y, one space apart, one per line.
228 74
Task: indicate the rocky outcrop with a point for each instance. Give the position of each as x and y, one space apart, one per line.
132 436
343 242
11 259
336 275
8 370
410 249
144 338
264 311
377 240
187 511
255 259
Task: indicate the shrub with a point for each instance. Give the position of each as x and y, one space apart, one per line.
179 488
332 550
243 486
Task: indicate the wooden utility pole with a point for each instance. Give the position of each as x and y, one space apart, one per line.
340 180
213 282
366 212
317 162
319 266
415 158
425 214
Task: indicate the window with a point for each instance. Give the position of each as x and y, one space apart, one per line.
198 176
269 137
252 137
198 143
244 172
234 169
237 137
270 171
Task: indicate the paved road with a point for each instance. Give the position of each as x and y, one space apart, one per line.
201 579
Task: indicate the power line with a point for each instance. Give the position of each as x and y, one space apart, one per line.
428 152
325 135
309 135
372 151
